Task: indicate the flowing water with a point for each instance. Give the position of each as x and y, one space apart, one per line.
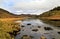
28 27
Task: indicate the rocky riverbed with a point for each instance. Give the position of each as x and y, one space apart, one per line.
36 29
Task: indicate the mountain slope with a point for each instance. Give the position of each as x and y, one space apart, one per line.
6 14
51 17
53 12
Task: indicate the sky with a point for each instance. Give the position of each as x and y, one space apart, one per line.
28 6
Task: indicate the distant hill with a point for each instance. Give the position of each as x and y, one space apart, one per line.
51 17
6 14
53 12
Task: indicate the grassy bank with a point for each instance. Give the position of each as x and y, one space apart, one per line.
52 22
8 28
10 19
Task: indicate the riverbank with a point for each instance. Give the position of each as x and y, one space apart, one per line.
55 23
36 29
11 19
9 28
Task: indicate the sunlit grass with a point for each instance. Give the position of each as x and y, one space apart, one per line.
6 27
10 19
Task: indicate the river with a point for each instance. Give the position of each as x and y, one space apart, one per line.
29 25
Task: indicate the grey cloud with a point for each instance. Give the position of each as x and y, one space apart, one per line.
37 4
32 7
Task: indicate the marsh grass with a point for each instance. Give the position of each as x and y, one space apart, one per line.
6 27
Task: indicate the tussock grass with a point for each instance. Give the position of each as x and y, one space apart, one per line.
6 27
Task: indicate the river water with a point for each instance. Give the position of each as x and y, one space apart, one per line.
30 24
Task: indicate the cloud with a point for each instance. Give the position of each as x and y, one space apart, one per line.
37 4
29 6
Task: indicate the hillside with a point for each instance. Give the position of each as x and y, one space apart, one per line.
53 12
8 25
6 14
51 17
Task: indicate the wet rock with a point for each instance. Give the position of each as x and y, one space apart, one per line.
22 26
43 37
58 26
53 38
39 26
58 32
35 30
28 24
31 36
48 28
26 37
46 33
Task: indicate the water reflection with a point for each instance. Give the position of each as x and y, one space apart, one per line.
37 29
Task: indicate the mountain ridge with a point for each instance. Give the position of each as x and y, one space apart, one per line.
54 11
6 14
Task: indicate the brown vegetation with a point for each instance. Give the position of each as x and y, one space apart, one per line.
8 29
52 16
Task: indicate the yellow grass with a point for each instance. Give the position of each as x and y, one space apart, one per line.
11 19
8 25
